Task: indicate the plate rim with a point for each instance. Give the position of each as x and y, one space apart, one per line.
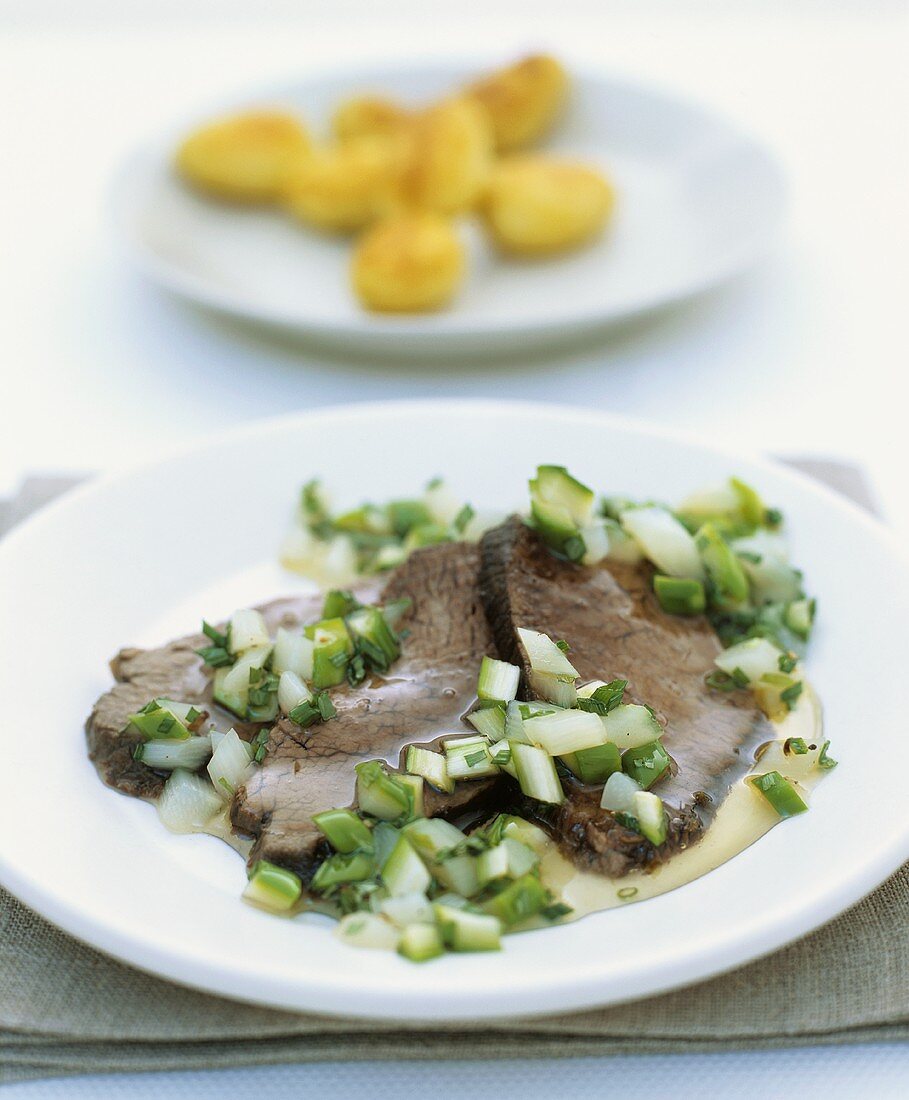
419 331
688 969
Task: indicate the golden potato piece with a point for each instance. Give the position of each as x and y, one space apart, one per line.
523 100
368 116
245 157
344 187
536 205
408 263
449 156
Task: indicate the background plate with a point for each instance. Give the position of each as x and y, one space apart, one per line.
139 557
698 200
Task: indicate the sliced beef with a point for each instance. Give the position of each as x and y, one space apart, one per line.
616 628
306 771
423 697
173 672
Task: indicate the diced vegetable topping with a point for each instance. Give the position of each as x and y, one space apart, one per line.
498 681
680 595
371 538
344 830
780 793
273 887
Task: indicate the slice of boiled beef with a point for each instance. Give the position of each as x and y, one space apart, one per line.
304 771
616 629
172 671
422 698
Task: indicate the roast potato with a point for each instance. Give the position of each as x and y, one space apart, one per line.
245 157
410 262
368 116
344 187
448 157
523 100
538 205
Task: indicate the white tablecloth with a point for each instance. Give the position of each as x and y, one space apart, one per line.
805 353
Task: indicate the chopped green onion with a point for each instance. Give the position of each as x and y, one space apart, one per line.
489 721
468 758
825 761
646 764
799 616
156 721
523 898
344 830
537 774
404 872
651 815
339 602
596 764
404 515
780 793
332 648
431 766
374 639
498 680
777 694
630 725
509 859
565 731
342 868
680 595
218 653
413 786
728 583
465 931
380 795
420 942
559 690
600 698
273 887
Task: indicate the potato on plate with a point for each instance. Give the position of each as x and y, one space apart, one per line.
410 262
449 156
538 205
368 116
244 157
523 100
344 187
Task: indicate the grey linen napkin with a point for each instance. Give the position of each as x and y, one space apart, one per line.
66 1009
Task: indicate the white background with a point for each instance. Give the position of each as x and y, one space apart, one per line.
807 353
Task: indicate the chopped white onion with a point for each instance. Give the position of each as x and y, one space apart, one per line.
367 930
619 792
247 629
292 653
292 692
544 655
230 764
187 802
664 541
754 658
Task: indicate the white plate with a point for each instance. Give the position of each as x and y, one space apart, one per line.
142 556
698 200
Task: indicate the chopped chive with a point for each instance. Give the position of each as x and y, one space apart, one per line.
790 694
628 892
780 793
825 761
463 518
556 911
679 595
